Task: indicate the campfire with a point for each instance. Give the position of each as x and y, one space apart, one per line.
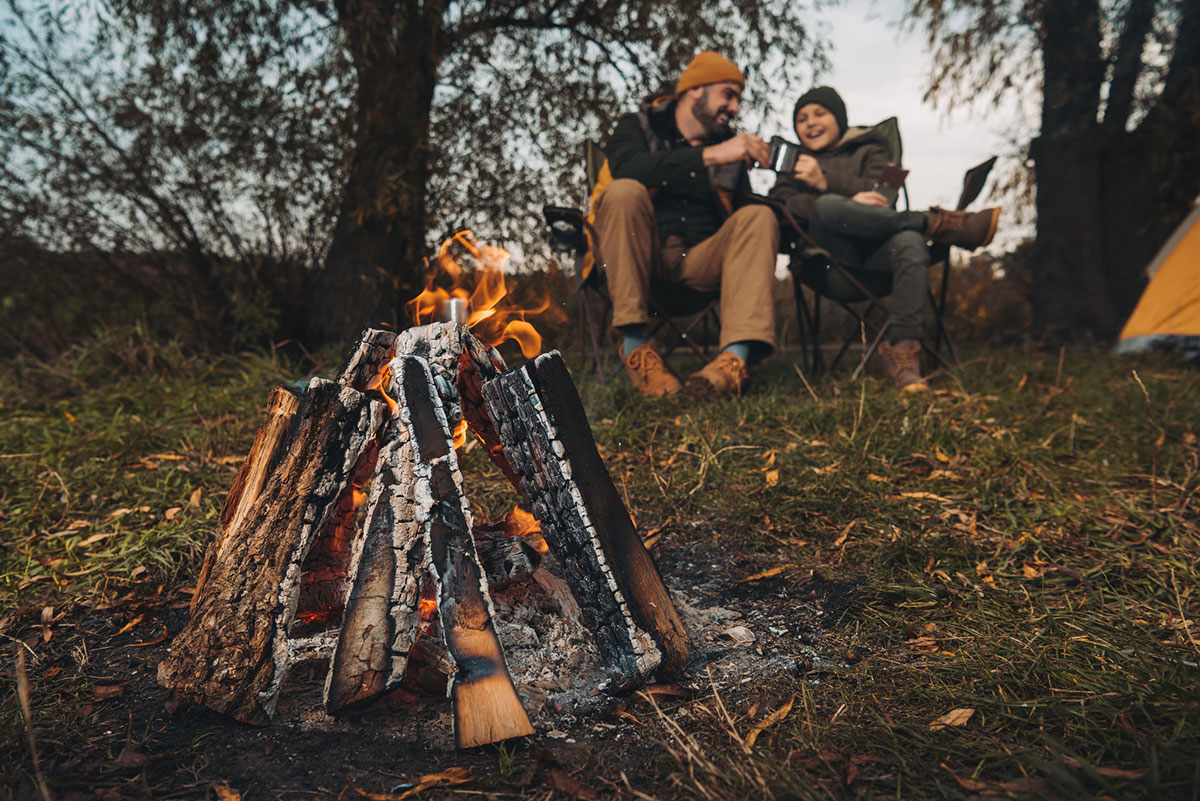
348 532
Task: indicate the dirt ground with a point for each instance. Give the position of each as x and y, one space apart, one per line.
118 734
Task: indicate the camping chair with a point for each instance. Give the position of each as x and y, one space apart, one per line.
860 292
670 303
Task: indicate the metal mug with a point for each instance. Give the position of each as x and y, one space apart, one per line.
453 310
783 155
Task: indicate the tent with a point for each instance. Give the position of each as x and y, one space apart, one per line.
1167 317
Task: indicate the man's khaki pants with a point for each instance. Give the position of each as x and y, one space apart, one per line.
739 259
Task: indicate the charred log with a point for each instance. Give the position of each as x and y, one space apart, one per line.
486 706
548 440
233 654
506 558
418 535
460 365
364 367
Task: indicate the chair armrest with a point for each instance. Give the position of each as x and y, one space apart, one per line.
793 237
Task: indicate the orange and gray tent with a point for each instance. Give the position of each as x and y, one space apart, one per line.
1167 317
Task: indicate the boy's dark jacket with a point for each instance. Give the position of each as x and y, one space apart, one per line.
852 165
690 200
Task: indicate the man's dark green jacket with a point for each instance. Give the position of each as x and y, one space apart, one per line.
689 198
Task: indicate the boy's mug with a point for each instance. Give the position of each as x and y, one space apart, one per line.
783 155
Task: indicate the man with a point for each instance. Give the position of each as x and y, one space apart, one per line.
675 210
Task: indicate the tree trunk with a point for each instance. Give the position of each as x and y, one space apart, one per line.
374 262
1071 277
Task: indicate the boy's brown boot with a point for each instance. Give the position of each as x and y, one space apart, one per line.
724 375
964 229
649 373
902 364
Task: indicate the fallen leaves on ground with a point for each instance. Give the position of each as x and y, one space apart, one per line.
768 721
774 571
955 717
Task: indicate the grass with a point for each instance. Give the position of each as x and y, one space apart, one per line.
1023 543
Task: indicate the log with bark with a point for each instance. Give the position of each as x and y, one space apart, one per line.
233 654
418 527
256 467
547 439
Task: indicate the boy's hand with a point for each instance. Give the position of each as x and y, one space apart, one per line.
809 171
744 147
870 199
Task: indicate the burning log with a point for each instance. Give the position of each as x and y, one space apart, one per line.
506 558
460 365
547 439
233 654
264 455
364 367
418 524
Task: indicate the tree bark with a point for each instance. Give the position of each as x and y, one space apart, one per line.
374 263
1071 276
233 655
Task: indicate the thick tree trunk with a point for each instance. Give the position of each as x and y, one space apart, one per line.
374 262
1071 276
1150 174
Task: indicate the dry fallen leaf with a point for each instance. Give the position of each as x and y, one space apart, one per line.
103 692
772 478
774 571
173 512
194 500
224 792
841 540
768 721
955 717
130 625
47 619
130 757
739 634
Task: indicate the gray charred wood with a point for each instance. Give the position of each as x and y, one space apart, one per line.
548 440
486 706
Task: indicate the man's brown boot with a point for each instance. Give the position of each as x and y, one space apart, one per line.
649 373
724 375
964 229
902 364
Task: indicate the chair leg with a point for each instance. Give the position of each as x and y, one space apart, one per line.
818 361
862 365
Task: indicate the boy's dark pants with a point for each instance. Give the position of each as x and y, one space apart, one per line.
885 244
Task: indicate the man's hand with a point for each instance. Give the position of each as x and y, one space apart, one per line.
743 147
809 171
870 199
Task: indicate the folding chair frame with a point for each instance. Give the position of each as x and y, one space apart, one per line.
566 231
810 321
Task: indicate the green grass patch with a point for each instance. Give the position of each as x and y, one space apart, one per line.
1022 543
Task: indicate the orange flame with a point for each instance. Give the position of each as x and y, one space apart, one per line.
460 435
493 317
382 383
523 524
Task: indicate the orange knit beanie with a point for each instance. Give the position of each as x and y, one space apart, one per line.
708 67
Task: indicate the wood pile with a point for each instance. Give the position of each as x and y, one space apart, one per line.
349 520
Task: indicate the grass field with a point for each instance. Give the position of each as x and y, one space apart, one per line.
1015 556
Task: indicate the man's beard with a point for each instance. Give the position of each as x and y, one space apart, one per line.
716 126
